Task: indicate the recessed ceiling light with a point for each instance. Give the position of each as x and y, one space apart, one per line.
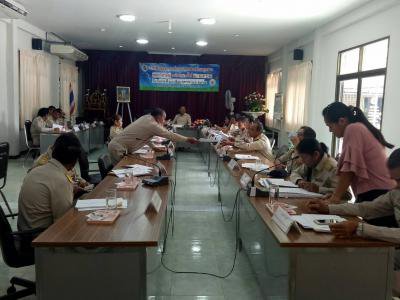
170 32
172 48
126 18
201 43
207 21
236 35
121 46
142 41
225 50
102 29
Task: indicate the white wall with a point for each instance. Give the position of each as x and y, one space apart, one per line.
370 22
14 36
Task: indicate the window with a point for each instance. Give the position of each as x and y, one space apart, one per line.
273 87
360 80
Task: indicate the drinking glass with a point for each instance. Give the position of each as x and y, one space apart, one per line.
111 199
273 194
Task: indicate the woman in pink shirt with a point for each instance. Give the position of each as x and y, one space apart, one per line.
362 163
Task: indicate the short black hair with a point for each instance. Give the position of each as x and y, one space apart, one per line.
394 159
52 107
310 145
259 126
44 111
308 132
242 118
67 149
155 112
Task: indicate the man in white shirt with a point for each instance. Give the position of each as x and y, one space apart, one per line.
140 132
182 118
260 142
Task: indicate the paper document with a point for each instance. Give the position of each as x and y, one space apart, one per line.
266 182
245 156
58 126
141 151
135 170
295 192
254 166
308 221
93 204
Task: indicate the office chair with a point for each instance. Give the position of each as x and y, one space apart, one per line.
105 165
17 252
84 166
4 153
29 142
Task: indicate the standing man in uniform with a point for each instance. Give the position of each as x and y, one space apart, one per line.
140 132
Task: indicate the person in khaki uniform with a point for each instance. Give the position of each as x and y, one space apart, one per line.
242 134
47 191
260 142
318 171
140 132
116 128
182 118
304 132
39 125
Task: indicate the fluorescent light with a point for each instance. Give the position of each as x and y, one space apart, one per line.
121 46
201 43
236 35
142 41
225 50
207 21
102 29
172 48
126 18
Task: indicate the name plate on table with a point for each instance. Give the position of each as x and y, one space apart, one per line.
284 221
245 179
232 164
76 128
155 203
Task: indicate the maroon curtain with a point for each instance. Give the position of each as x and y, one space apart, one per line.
108 69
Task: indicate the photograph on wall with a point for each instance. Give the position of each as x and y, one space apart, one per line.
123 94
182 77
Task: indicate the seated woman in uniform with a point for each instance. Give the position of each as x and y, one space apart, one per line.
39 125
116 128
318 172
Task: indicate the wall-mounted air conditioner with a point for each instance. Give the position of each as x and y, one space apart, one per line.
68 51
10 9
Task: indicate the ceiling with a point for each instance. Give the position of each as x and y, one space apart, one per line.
263 26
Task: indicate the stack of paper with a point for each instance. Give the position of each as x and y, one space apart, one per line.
295 192
266 182
142 150
134 170
254 166
95 204
245 156
308 221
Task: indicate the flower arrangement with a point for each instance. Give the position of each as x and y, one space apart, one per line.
200 122
254 102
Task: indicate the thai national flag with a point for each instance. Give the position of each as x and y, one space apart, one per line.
71 100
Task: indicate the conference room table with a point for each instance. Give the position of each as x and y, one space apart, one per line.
308 265
77 260
91 138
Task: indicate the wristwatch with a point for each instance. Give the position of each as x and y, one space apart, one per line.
360 229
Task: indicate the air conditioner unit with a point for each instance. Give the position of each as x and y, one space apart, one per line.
68 51
10 9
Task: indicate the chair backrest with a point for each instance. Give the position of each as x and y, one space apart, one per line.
4 153
84 165
27 131
105 165
17 250
272 141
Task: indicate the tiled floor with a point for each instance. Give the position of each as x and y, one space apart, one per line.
202 242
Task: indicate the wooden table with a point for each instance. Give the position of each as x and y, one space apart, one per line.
76 260
305 265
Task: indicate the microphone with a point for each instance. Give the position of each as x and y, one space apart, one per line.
262 193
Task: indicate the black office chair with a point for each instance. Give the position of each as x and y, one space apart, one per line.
84 166
4 153
105 165
17 252
35 150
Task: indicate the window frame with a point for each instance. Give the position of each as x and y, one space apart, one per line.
359 75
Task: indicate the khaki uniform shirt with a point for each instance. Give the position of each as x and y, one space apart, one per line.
323 175
260 143
114 131
385 205
38 126
138 134
293 164
184 119
46 194
242 136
